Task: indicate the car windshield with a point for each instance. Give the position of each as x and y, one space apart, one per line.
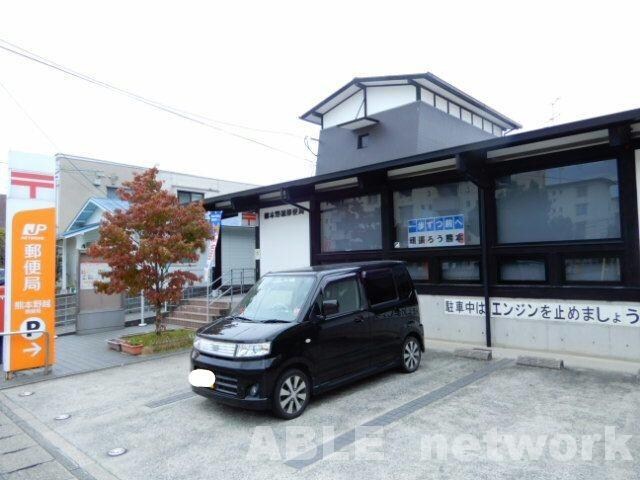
275 297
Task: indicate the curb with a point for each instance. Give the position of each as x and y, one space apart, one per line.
540 362
474 353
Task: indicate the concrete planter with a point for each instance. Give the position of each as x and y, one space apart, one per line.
115 344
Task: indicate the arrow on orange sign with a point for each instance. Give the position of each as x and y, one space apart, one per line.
35 348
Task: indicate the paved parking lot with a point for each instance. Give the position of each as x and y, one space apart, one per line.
82 353
454 418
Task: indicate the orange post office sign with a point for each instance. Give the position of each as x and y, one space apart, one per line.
30 263
32 303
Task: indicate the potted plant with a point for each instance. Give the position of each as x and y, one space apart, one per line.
132 347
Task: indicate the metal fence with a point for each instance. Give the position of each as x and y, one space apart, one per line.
230 282
132 304
236 280
66 313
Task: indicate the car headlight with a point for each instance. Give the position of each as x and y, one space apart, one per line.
253 349
230 349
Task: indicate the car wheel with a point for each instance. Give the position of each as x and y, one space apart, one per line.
291 394
411 354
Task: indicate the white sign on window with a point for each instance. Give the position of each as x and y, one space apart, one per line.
90 272
445 231
565 311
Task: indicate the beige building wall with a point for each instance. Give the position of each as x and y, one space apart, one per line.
81 178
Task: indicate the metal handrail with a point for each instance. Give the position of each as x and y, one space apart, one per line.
227 281
47 366
230 288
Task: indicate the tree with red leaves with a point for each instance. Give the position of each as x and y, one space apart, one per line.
142 243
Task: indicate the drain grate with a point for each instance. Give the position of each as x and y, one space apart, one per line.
176 397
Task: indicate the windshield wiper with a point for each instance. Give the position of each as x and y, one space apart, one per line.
274 320
240 317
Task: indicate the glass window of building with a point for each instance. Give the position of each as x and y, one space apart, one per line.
477 121
581 208
523 270
466 115
497 131
351 224
549 205
454 110
487 126
112 193
363 140
444 215
461 270
185 197
441 103
427 97
419 271
596 269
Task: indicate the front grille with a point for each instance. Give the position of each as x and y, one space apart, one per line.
226 384
213 347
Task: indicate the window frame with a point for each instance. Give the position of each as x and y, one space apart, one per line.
419 182
446 103
504 258
361 143
555 251
340 196
462 281
625 246
563 269
546 166
113 191
420 259
191 193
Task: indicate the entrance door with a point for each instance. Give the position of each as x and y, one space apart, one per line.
238 254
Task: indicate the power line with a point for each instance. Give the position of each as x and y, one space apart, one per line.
17 50
50 140
15 100
306 144
237 125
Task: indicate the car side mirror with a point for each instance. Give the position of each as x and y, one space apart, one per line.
329 307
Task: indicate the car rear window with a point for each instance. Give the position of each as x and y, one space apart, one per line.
379 286
403 281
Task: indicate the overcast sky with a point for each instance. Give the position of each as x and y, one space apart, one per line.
262 64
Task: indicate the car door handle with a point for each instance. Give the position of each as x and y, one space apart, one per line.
358 319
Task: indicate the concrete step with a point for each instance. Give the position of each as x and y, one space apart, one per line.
194 316
224 302
203 310
192 312
198 301
181 322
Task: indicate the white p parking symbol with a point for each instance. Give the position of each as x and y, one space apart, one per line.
33 326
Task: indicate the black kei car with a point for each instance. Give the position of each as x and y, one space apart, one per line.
301 332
